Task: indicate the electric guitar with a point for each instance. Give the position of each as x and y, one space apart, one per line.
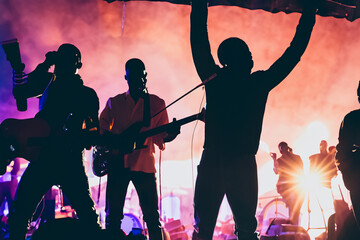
102 155
26 138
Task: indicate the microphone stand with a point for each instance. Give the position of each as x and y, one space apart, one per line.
196 87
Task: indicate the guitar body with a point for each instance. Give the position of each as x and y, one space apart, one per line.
116 146
15 135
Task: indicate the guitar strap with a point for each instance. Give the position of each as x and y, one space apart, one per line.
146 113
45 93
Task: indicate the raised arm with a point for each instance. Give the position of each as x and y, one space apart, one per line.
199 39
37 80
286 63
276 163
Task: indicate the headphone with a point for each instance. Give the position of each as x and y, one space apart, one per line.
72 51
78 63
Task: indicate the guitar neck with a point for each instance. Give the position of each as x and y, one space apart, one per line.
86 138
164 128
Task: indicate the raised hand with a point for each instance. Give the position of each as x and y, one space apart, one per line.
273 155
51 58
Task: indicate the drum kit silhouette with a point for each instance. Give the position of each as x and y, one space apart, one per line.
273 218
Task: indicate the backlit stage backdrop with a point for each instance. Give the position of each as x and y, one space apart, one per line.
349 9
304 109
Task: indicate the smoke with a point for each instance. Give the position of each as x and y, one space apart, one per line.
321 88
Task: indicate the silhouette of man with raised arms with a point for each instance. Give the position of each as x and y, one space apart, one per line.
62 94
348 156
236 101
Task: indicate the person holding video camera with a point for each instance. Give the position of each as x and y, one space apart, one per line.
69 108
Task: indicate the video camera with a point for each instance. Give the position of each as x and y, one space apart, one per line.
12 52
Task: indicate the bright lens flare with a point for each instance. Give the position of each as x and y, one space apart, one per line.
318 202
310 182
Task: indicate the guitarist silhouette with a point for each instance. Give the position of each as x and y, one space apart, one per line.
62 93
120 112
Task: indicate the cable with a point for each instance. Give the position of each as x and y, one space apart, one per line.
38 219
192 143
196 87
99 192
160 185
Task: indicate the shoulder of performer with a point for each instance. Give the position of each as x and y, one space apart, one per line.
116 99
119 96
258 73
90 96
353 114
298 158
261 77
89 91
351 119
312 156
157 100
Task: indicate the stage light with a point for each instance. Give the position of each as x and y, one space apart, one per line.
310 182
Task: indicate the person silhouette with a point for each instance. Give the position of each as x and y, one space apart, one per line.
63 94
290 168
323 163
348 156
236 100
121 112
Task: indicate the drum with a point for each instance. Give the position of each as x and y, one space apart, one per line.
130 222
276 208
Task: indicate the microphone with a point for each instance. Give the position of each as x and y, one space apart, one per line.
207 80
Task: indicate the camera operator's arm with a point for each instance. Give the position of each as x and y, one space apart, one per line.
37 80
